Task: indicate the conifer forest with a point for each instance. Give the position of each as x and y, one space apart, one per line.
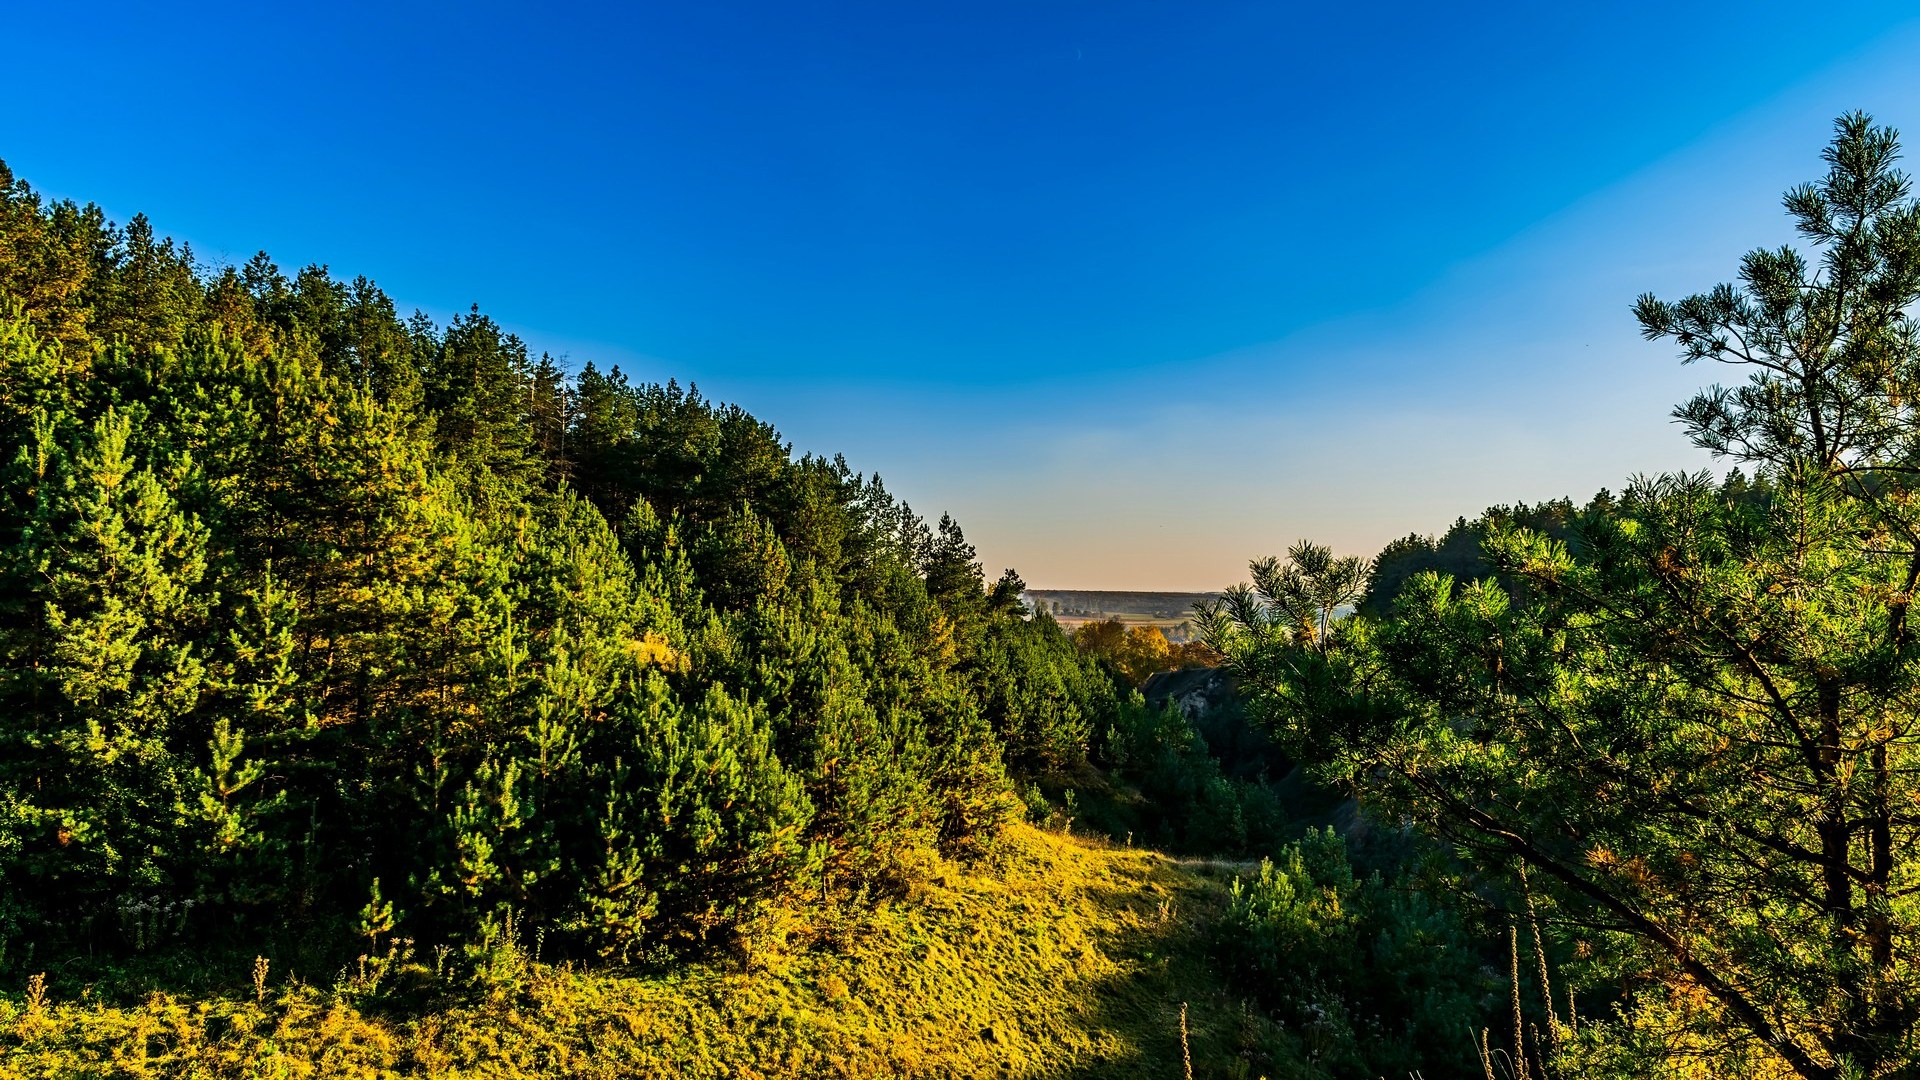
381 699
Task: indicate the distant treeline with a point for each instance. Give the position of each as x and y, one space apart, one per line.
1160 605
1460 552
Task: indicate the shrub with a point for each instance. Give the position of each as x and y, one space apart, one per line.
1375 978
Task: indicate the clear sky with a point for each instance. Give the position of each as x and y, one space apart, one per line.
1139 291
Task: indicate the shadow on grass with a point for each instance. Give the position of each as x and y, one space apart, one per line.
1170 958
1073 963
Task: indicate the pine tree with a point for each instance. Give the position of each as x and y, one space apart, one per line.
1692 727
298 604
95 728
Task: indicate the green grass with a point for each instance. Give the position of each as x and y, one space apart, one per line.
1070 959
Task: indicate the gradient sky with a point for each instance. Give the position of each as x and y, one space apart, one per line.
1139 291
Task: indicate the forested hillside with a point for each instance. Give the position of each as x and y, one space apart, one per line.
322 626
379 698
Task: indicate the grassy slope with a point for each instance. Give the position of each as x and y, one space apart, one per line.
1072 960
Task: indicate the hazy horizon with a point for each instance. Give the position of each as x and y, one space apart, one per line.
1137 294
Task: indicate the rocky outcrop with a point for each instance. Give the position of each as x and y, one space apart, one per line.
1196 692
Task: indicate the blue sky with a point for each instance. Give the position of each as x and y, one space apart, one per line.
1139 291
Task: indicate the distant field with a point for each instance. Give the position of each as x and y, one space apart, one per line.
1170 611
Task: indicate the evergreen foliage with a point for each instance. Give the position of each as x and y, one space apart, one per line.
1378 978
1686 728
1457 552
320 624
1193 797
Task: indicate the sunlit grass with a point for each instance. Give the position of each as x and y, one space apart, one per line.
1071 958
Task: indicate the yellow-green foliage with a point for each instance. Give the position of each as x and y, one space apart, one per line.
1069 959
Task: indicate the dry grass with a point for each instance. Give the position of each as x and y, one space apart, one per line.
1072 960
